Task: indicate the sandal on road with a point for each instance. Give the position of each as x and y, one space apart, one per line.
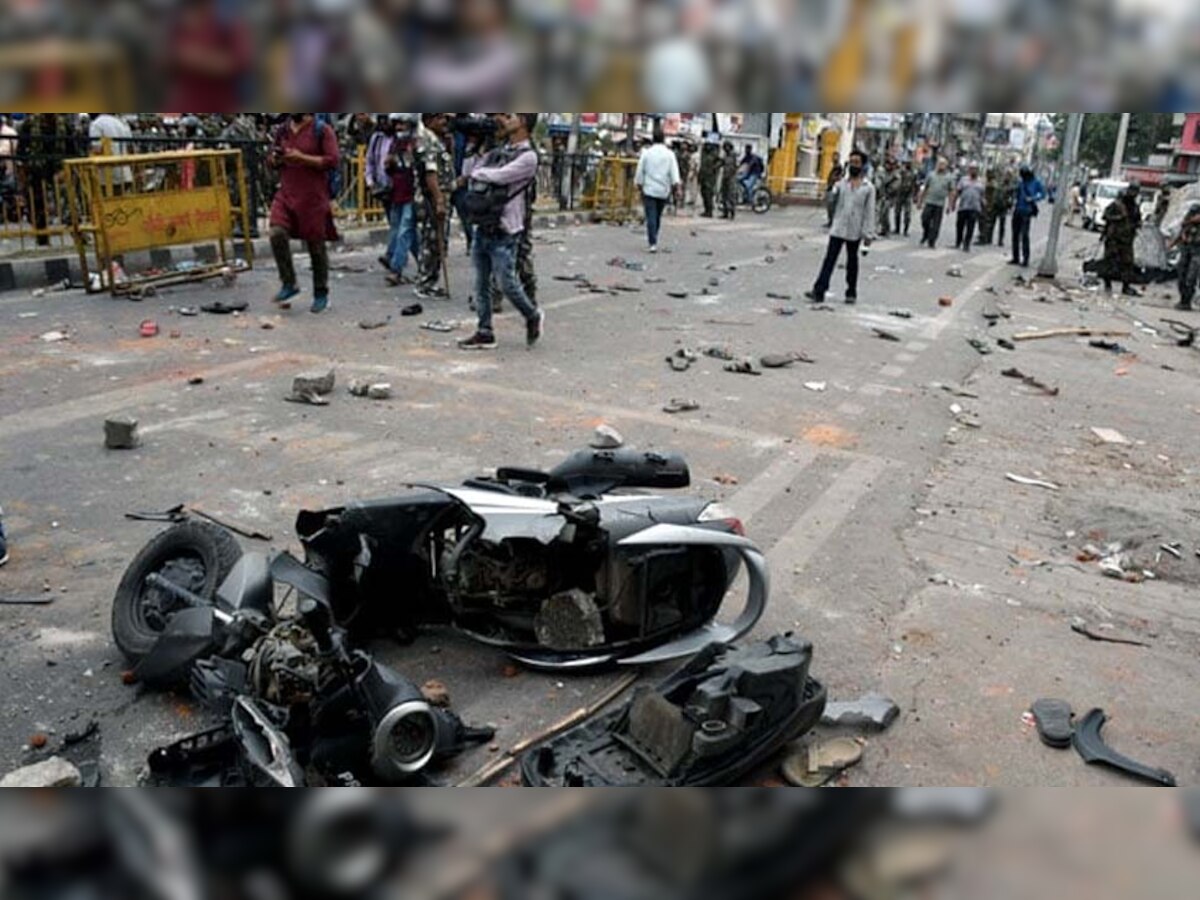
815 765
1053 720
676 405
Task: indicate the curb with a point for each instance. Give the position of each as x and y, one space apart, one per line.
30 274
45 271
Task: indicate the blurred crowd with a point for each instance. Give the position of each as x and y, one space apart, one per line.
223 55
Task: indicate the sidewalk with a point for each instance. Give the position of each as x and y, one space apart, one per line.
38 270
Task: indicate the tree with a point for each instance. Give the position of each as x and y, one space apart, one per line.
1099 141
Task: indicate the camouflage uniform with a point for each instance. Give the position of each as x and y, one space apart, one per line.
729 184
1120 230
887 191
683 156
1002 201
906 192
432 157
1189 257
710 171
987 215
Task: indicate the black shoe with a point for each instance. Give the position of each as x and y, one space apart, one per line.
478 341
851 299
534 328
1183 307
1130 292
810 295
1014 262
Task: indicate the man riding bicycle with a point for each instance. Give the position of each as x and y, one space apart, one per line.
752 170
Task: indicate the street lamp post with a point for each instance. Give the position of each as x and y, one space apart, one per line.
1049 265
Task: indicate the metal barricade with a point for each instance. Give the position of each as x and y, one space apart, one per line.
125 203
613 196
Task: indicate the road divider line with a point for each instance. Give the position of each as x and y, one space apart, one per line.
821 520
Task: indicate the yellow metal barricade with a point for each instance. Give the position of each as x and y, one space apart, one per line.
613 195
356 202
130 202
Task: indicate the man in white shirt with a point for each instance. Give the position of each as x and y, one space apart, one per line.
658 178
106 125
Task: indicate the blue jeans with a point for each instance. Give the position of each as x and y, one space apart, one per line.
654 207
497 253
403 239
749 185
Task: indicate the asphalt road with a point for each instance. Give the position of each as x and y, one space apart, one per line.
861 491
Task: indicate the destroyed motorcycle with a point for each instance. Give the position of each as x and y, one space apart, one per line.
574 568
300 706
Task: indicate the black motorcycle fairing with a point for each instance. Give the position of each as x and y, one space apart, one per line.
249 586
396 591
717 718
190 635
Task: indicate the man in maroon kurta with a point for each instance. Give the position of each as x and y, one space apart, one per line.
302 209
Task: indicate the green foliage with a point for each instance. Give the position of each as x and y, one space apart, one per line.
1099 140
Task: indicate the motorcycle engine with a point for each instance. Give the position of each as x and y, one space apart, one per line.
285 666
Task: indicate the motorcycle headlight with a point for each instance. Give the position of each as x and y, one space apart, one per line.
405 740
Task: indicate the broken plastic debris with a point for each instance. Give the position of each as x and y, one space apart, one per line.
1110 436
871 710
1031 482
605 437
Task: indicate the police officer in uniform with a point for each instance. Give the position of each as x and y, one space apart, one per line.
888 192
729 182
1122 219
710 172
906 192
1189 257
435 183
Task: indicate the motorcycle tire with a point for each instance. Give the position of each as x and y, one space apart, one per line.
762 201
208 553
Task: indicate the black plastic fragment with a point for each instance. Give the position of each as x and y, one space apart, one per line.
1090 745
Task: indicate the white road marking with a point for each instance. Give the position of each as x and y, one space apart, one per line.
795 549
757 493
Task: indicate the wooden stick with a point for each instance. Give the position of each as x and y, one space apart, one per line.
497 767
1067 332
243 530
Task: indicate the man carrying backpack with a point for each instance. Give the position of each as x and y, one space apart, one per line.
304 154
496 202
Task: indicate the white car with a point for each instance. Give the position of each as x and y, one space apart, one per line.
1099 195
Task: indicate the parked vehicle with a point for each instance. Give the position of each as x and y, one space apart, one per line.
1099 195
578 567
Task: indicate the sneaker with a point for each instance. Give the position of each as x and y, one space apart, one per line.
654 248
320 303
851 299
1183 307
809 295
1130 292
431 293
534 328
284 298
478 341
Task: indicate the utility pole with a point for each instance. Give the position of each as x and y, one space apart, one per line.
1119 152
1049 265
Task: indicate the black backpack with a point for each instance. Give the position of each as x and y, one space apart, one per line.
483 203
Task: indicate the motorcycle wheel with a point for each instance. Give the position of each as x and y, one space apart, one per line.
195 555
762 201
